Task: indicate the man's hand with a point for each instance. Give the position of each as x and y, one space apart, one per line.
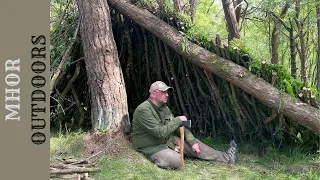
196 148
177 141
177 149
183 118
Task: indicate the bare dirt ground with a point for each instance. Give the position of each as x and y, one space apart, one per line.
111 145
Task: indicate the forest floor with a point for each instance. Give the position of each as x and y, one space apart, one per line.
118 160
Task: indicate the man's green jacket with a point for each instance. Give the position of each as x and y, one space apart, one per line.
154 128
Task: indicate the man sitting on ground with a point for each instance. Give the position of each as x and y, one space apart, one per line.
155 131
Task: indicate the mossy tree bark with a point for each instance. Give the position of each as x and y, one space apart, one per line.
105 79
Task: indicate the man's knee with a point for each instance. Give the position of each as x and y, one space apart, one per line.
175 161
167 159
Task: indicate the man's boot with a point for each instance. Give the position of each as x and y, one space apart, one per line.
232 152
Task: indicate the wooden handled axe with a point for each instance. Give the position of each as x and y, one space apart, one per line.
188 124
182 145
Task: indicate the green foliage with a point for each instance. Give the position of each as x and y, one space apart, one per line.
209 18
284 82
63 23
240 45
287 156
101 132
207 24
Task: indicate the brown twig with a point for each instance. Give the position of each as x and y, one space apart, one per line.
272 117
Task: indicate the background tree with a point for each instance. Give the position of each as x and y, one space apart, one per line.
275 35
231 19
193 5
179 4
318 58
302 49
105 79
237 6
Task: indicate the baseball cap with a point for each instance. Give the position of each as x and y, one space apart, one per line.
159 85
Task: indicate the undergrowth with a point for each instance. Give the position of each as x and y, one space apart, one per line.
64 145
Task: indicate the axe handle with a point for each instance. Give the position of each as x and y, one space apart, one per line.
182 145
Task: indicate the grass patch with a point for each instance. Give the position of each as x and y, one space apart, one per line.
128 164
66 145
137 167
134 166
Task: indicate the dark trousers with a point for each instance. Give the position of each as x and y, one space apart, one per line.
169 158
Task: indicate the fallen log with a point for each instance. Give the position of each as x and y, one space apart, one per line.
293 108
74 170
63 166
66 176
71 176
70 161
70 166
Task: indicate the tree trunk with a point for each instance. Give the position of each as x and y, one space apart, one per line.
237 6
302 52
293 53
231 20
303 114
105 79
178 5
193 6
318 63
275 35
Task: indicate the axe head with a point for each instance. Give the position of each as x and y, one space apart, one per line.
186 123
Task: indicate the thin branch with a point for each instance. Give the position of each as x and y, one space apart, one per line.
72 80
244 14
82 58
278 19
64 59
63 111
210 6
57 102
306 17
